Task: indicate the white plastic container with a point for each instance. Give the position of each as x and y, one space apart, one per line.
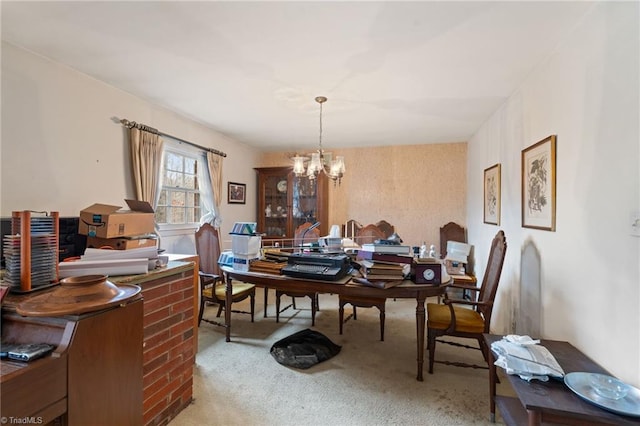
241 262
246 245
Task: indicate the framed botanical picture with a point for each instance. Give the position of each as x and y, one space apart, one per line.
236 193
539 185
492 195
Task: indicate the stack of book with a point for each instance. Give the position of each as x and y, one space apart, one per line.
386 248
383 270
266 266
271 263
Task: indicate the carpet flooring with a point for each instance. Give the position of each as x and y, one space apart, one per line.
368 383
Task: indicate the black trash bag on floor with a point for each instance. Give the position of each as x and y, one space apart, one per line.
304 349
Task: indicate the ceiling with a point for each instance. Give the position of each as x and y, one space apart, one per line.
393 72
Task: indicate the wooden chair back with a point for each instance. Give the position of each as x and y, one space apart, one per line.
369 234
302 236
386 228
351 228
451 232
208 249
492 273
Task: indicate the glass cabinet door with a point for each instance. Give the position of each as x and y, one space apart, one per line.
276 205
304 201
286 202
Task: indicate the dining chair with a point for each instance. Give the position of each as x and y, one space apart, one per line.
366 234
351 228
369 234
467 318
302 235
363 302
386 228
451 232
212 286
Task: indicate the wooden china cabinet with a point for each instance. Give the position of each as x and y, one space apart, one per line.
286 202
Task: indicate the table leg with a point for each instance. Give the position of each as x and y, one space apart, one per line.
492 387
420 321
534 417
227 307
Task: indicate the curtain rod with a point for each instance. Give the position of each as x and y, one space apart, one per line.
131 124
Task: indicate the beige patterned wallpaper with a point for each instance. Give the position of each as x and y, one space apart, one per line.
417 188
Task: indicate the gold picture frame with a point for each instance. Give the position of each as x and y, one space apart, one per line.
492 187
539 185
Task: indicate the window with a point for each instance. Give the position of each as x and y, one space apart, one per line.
180 199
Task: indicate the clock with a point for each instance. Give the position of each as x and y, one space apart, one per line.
282 186
428 273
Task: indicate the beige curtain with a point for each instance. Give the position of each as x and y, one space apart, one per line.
146 162
214 163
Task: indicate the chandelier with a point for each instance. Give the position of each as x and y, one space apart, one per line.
321 161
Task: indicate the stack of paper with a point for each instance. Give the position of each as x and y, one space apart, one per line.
386 248
111 262
525 357
103 267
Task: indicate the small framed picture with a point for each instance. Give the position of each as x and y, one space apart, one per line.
237 193
539 185
492 195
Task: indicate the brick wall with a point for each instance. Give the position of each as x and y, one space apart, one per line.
169 346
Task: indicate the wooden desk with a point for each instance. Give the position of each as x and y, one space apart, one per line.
541 403
94 375
408 289
156 389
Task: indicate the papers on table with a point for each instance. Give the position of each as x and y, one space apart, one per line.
525 357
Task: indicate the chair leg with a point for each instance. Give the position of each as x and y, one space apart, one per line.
341 315
277 307
431 345
483 349
313 309
252 299
355 316
293 302
220 308
201 309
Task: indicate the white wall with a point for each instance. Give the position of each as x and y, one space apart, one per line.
62 151
586 93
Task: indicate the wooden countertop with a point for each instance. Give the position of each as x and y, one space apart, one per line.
11 300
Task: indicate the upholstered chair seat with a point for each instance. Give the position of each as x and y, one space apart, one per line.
467 320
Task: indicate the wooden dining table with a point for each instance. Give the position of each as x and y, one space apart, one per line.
407 290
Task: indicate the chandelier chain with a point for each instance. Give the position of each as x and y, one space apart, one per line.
320 141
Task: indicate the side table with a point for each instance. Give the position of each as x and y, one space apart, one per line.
541 403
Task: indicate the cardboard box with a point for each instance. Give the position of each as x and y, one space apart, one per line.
246 244
241 263
107 221
125 243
